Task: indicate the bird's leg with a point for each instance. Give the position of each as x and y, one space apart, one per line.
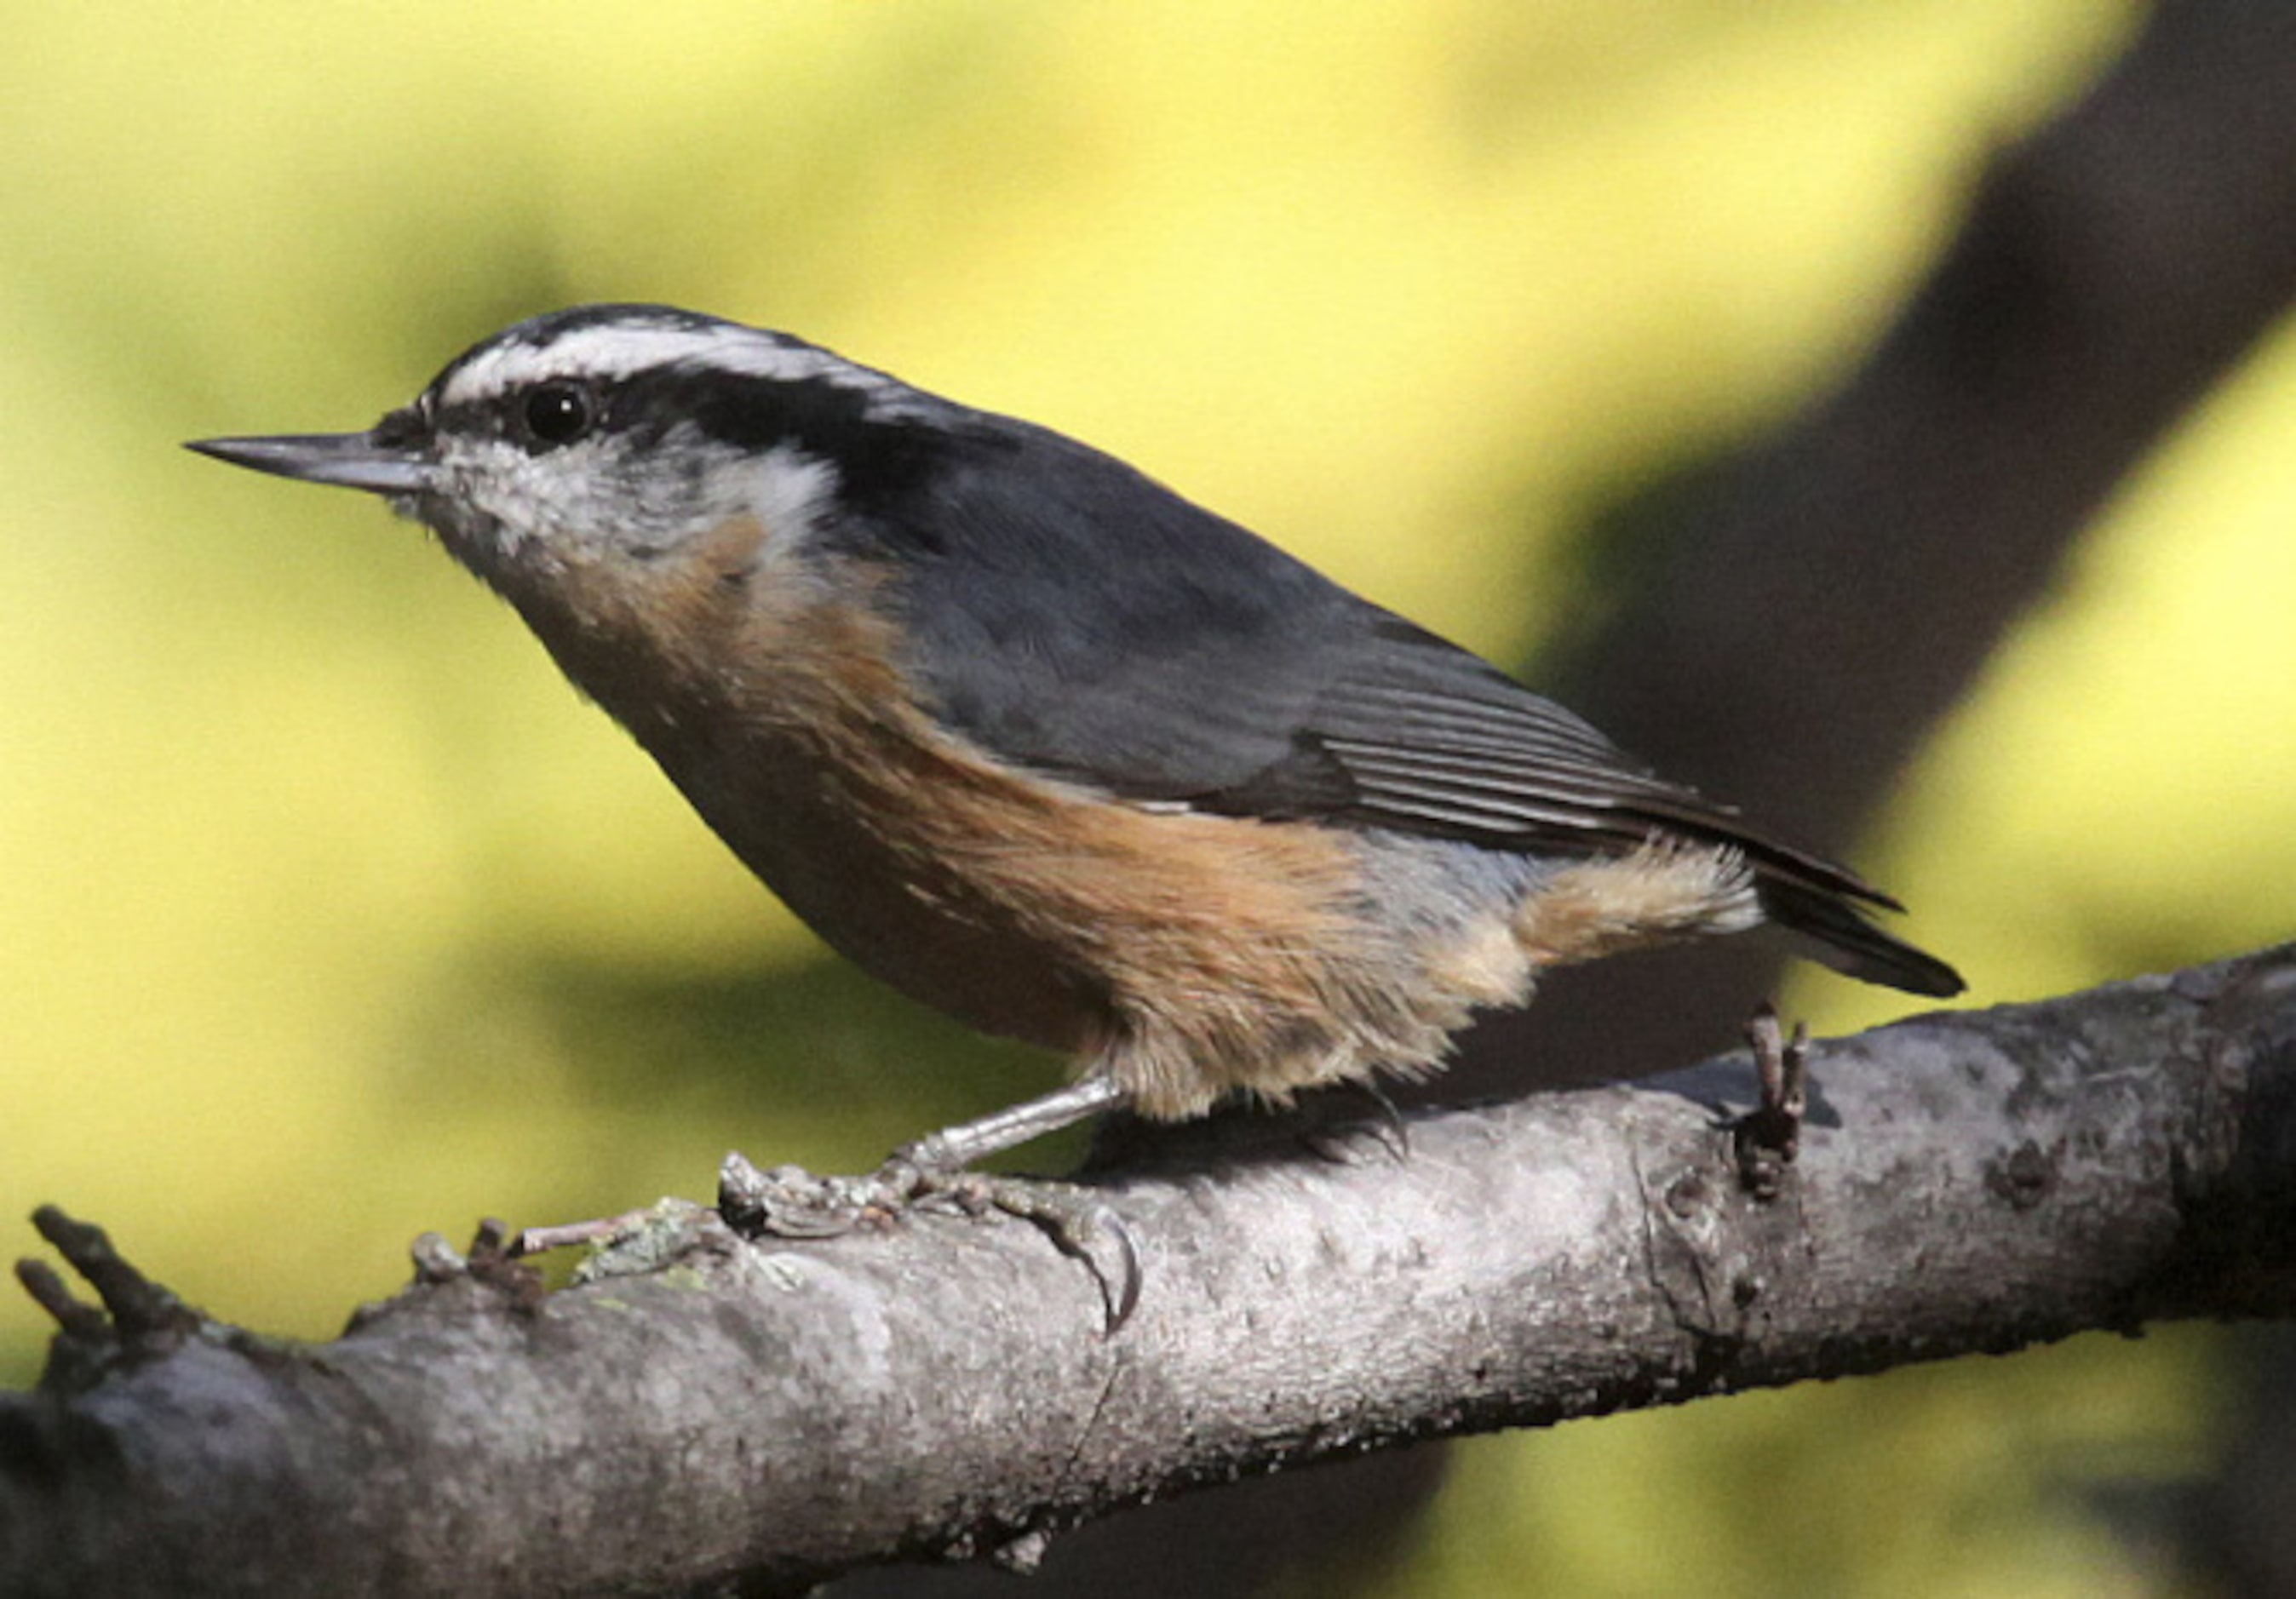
932 1173
969 1143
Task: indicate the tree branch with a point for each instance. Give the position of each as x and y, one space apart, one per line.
706 1408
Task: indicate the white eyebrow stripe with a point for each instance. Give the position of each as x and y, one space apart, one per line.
606 352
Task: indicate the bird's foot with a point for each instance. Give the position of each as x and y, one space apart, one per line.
1768 1137
791 1202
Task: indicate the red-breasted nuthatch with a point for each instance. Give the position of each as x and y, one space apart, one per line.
1037 740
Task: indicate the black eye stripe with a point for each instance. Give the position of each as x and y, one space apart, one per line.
695 404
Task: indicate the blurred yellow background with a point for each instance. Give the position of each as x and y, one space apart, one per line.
330 914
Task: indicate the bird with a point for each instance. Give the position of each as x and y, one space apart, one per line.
1038 742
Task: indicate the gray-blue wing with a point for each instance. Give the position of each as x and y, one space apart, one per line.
1088 624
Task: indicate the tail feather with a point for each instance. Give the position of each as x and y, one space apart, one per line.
1850 943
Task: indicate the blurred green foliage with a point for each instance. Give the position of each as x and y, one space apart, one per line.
330 915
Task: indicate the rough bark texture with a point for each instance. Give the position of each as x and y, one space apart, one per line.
711 1410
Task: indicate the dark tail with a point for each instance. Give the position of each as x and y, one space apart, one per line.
1850 943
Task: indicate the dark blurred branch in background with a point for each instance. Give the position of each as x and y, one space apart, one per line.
773 1414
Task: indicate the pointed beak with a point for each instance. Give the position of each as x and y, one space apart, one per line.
346 459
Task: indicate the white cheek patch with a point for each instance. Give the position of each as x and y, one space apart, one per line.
589 502
533 502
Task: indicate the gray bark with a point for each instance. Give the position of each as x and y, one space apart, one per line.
708 1410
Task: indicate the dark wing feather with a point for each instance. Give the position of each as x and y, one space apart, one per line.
1076 619
1435 740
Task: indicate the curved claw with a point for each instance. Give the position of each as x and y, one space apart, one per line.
1383 1125
1080 1224
1120 1311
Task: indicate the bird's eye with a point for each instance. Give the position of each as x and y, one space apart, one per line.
556 414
